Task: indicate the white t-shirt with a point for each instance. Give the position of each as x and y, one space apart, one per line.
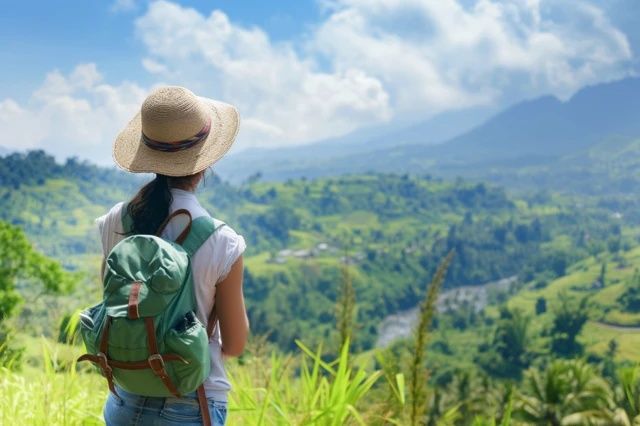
210 265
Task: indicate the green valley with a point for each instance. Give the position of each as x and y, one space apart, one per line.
573 287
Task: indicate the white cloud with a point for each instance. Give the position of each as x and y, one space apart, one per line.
440 55
367 61
154 67
386 58
71 115
123 5
282 96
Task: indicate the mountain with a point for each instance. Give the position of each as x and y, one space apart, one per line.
548 128
539 132
319 158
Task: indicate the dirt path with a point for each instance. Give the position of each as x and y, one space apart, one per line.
619 327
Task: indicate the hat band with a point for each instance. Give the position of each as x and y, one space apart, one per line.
178 145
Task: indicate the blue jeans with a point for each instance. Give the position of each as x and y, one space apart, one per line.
136 410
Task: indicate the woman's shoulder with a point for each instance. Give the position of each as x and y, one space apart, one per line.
111 217
224 232
110 227
225 246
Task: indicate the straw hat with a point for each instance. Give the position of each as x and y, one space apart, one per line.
176 133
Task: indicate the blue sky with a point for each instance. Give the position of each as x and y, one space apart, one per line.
38 36
298 71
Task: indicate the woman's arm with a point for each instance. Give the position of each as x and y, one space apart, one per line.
232 316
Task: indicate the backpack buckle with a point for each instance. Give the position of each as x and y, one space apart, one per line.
103 361
156 362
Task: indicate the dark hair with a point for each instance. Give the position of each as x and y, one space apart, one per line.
150 206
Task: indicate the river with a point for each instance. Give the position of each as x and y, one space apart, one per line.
401 324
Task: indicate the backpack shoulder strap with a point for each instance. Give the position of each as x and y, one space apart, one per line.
127 221
201 229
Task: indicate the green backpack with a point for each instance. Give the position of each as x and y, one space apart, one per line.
145 335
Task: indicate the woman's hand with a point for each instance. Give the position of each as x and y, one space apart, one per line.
231 313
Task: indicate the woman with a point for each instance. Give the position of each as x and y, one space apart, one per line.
177 136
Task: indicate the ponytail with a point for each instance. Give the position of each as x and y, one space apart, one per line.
150 206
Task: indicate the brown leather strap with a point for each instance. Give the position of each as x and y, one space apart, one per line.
183 235
102 358
151 336
104 339
131 365
132 309
107 372
155 360
204 407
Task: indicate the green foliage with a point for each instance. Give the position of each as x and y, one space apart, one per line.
541 306
568 321
509 352
630 299
20 263
629 394
402 226
51 396
36 167
567 393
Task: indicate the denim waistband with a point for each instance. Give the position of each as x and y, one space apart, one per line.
132 396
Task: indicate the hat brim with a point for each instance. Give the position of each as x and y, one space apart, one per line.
131 154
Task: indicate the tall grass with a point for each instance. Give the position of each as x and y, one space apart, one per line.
275 390
346 304
322 393
418 372
49 396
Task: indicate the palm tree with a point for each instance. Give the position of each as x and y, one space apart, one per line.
628 396
566 393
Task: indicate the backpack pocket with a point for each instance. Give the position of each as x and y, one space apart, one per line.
90 326
188 338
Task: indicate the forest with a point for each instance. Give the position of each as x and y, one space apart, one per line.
557 345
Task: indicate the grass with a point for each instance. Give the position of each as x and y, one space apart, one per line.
267 390
597 336
606 308
46 396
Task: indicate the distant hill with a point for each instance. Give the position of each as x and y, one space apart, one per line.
542 132
547 127
336 155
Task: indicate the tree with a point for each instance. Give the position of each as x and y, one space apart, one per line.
19 261
541 305
567 324
628 399
567 392
507 355
630 299
602 278
613 244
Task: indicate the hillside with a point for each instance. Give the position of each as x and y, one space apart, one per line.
391 230
543 128
565 285
541 135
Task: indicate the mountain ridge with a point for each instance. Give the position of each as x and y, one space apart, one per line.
533 132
